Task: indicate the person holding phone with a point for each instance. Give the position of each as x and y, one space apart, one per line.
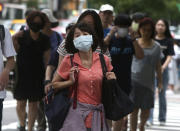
143 74
122 47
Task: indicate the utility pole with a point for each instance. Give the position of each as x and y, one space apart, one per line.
53 4
50 4
81 5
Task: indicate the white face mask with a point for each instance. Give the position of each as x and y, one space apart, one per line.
122 32
83 42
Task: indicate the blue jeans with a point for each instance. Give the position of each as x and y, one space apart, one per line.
162 99
1 109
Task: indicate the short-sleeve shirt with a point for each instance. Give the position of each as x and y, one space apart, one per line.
122 51
31 66
89 80
166 47
143 70
6 50
106 31
55 40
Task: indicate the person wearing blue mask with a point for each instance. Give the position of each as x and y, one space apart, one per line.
122 47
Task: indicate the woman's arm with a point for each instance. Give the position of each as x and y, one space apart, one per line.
59 83
46 57
4 75
139 53
168 60
159 75
49 72
15 38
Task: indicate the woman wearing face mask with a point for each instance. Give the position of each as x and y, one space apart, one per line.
163 36
91 18
82 42
143 74
122 49
32 56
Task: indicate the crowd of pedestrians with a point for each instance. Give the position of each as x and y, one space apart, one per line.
136 50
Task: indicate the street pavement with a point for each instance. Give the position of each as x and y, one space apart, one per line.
10 120
173 114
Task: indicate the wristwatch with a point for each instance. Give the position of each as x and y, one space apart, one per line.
47 82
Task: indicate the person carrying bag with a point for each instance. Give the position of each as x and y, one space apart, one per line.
116 103
89 113
57 104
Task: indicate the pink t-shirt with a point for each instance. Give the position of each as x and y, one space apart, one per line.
89 80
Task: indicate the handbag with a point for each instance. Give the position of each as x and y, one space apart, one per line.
57 104
117 103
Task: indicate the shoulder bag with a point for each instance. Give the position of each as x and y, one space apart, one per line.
117 103
57 104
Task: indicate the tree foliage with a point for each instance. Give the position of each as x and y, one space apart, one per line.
155 8
32 4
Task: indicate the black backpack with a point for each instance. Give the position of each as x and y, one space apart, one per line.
2 35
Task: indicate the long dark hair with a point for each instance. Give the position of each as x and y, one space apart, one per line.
167 31
98 28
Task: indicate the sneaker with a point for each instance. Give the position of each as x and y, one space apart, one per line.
149 123
22 128
162 123
42 129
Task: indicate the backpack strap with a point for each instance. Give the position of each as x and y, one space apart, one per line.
2 35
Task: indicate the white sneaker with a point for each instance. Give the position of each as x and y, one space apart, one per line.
148 123
162 123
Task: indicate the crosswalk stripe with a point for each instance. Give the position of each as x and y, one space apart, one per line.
173 118
12 125
9 104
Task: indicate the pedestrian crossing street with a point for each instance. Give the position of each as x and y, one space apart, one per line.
172 124
173 118
173 114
